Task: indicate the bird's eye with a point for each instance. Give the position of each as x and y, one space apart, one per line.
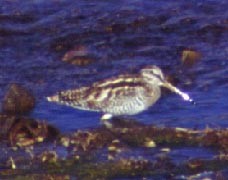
158 74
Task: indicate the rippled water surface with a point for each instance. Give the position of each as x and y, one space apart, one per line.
121 36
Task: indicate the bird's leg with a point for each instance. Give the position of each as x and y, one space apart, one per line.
106 117
104 120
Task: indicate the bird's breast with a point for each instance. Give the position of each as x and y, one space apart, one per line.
152 94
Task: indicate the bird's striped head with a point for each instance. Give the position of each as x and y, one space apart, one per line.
153 75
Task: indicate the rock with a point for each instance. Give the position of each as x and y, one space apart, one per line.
190 57
79 56
17 100
27 131
24 131
6 122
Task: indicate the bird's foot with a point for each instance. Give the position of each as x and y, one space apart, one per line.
105 122
106 117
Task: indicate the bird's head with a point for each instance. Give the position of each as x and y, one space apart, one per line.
153 75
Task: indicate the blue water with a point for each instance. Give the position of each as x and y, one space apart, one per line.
34 36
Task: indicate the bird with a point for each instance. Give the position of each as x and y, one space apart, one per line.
125 94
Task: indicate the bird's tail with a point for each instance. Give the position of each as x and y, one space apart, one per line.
54 98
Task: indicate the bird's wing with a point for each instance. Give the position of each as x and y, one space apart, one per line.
101 94
77 98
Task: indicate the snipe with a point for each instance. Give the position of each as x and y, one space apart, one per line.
122 95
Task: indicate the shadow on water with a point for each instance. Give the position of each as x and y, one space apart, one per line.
118 37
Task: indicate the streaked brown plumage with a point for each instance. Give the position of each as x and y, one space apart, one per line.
122 95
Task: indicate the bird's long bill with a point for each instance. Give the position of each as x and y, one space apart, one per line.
185 96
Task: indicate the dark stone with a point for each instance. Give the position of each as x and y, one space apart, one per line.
17 100
6 122
27 131
80 56
23 131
